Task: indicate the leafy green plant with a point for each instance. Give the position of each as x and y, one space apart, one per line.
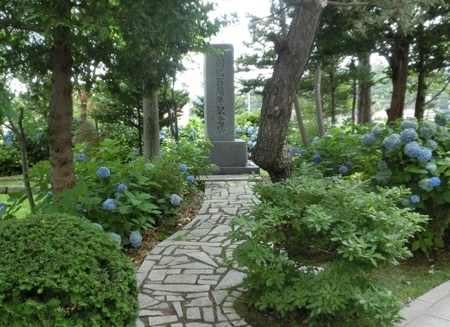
60 270
311 243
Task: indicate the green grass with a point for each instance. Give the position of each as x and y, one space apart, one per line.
24 209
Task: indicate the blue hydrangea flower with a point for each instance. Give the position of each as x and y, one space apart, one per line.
81 157
382 165
115 237
302 152
430 144
98 225
250 130
425 185
392 142
135 239
415 198
409 135
349 164
109 204
103 172
175 199
315 140
409 123
316 158
424 155
383 176
121 187
435 181
343 169
412 149
49 194
406 202
294 151
191 134
2 206
376 131
428 129
238 130
190 179
431 167
368 139
182 167
251 144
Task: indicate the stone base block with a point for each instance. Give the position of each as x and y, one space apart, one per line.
236 170
229 153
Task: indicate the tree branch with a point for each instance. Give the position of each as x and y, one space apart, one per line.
281 45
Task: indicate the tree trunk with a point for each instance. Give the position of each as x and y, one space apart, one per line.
151 126
364 94
421 85
399 65
333 91
301 124
279 91
318 98
61 112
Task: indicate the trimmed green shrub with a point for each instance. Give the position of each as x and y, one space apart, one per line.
60 270
311 243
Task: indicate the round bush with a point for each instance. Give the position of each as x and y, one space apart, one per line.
59 270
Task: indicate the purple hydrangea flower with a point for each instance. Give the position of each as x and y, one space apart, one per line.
343 169
316 158
109 204
103 172
294 151
175 199
190 179
135 239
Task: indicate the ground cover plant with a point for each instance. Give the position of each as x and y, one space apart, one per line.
315 256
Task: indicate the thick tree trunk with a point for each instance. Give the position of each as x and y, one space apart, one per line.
399 65
151 126
364 92
279 91
61 112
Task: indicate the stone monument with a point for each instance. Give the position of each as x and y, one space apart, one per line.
228 153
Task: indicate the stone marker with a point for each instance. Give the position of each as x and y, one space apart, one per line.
228 153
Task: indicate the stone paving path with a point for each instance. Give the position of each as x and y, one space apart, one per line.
184 281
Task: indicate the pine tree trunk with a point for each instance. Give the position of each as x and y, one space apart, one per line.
279 91
399 65
364 92
151 126
61 112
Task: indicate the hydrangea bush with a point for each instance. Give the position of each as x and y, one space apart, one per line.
125 198
407 153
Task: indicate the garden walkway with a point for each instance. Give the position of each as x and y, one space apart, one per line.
184 281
